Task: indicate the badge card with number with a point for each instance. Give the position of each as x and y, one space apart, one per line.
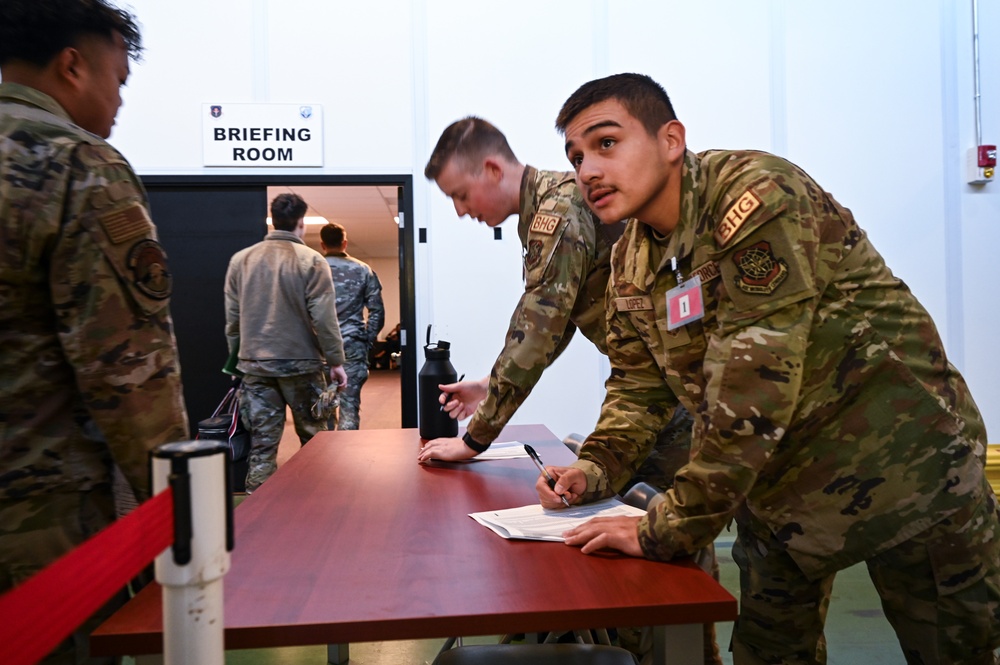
684 303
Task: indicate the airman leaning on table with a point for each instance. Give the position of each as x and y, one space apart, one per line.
566 269
829 422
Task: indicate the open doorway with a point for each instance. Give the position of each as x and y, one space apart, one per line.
369 215
204 220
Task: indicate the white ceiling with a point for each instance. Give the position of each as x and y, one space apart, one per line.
366 212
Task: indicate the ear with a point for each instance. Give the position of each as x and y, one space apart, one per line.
672 138
69 66
493 168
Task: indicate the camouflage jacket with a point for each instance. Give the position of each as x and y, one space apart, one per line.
820 389
87 351
357 289
566 268
281 311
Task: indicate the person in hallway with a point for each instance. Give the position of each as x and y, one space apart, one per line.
91 381
566 268
281 318
829 422
358 289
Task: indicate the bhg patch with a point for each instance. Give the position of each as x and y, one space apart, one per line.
150 272
759 271
534 255
543 223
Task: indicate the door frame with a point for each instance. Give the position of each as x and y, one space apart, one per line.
407 278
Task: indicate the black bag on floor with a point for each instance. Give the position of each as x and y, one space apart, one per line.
225 425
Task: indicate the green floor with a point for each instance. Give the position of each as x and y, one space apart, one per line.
856 630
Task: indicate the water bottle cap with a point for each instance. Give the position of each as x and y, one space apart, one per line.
437 353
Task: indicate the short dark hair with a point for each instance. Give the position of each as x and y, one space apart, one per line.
471 139
642 97
286 211
36 30
333 235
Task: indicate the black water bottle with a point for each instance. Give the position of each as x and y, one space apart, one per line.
434 420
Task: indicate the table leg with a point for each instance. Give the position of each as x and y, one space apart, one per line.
682 641
338 654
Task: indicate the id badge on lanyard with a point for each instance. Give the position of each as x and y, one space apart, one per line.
684 303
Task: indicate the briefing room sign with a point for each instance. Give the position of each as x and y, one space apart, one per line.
251 135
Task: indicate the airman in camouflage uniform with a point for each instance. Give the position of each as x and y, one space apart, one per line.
566 271
87 352
357 289
281 318
823 396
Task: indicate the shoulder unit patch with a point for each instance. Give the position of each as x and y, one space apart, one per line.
150 273
534 254
760 272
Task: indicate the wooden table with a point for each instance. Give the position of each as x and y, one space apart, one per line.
353 541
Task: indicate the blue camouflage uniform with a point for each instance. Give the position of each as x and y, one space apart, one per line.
358 289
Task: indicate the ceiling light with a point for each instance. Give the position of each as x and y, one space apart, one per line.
313 220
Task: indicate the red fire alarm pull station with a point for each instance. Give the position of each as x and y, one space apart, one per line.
988 155
982 164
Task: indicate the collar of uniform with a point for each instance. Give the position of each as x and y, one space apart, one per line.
22 94
680 242
529 188
284 235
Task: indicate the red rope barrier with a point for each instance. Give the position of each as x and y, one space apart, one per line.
37 615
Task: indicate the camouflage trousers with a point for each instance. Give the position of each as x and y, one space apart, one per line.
262 407
940 592
36 531
356 366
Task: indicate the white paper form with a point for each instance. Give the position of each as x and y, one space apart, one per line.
536 523
502 450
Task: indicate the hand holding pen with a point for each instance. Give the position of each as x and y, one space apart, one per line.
447 395
548 479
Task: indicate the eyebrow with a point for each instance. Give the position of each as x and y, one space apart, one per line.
593 128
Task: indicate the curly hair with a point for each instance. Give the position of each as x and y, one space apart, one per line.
36 30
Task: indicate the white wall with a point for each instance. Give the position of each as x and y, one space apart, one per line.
388 274
974 219
872 99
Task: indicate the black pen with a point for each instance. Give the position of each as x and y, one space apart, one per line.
450 394
548 479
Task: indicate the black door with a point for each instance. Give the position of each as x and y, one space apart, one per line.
200 228
407 308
